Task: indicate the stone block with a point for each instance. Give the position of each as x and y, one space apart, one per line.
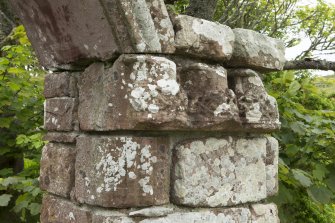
59 114
264 213
219 172
145 23
271 161
122 171
238 215
202 38
55 210
210 103
57 169
257 51
68 32
138 92
60 85
258 110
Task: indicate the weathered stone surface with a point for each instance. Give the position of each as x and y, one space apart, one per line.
264 213
63 32
122 171
65 137
60 85
138 92
66 32
210 103
56 210
202 38
258 110
57 169
156 211
257 51
219 172
232 215
59 114
145 23
272 154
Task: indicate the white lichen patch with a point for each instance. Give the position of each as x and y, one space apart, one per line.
254 114
221 109
220 172
118 163
150 77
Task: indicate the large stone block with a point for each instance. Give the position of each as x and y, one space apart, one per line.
60 114
219 172
258 110
122 171
57 169
264 213
145 23
232 215
137 92
202 38
257 51
210 103
62 137
56 210
60 85
75 32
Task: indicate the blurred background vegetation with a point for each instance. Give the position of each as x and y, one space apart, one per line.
306 103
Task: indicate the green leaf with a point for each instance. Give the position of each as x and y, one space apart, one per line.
320 172
14 86
6 172
34 208
4 200
320 194
294 87
300 176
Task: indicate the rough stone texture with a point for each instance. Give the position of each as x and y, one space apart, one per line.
258 110
210 103
137 92
145 23
60 85
57 169
257 51
65 137
232 215
219 172
202 38
59 114
56 210
159 211
122 171
67 31
264 213
271 161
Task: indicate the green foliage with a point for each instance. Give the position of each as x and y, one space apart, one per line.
307 155
21 115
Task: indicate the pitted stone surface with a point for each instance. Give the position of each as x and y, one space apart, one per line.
56 210
219 172
258 110
264 213
122 171
63 137
202 38
64 32
57 169
210 103
257 51
137 92
272 154
149 24
232 215
60 85
59 114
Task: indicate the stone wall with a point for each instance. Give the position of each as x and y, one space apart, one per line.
152 116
